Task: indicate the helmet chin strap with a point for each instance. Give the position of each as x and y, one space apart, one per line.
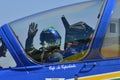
45 44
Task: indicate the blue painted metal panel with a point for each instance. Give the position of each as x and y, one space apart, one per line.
12 51
19 52
101 31
26 70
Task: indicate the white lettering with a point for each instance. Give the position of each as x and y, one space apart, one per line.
52 68
64 67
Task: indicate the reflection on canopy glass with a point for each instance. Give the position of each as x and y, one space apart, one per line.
111 43
59 35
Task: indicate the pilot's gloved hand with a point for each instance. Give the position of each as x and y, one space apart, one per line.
32 30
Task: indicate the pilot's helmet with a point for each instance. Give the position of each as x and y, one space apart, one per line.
50 37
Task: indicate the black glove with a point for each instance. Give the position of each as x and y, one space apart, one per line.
32 30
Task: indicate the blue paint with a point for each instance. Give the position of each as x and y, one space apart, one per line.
28 70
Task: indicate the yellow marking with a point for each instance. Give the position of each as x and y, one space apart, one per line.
115 78
106 76
76 57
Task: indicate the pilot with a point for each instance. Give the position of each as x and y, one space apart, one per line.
77 38
50 45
